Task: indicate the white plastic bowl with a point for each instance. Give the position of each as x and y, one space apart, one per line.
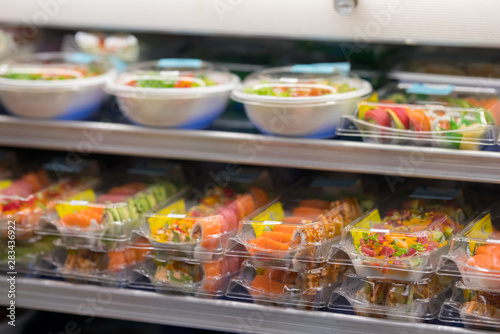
61 99
184 108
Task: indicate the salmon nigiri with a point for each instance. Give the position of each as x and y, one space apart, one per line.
277 236
488 249
262 243
283 228
315 203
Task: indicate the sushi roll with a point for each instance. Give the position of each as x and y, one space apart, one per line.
208 231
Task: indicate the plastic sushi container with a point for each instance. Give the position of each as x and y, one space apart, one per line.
416 301
54 85
308 289
202 279
403 238
173 93
475 253
297 230
103 267
460 73
198 222
472 308
105 211
305 101
26 197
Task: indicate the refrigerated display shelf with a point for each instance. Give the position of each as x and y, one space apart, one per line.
83 138
222 315
444 22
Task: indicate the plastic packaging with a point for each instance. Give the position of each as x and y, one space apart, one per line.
402 239
308 289
105 211
53 85
122 46
173 93
302 100
298 229
27 253
396 300
412 124
185 277
475 253
197 223
472 308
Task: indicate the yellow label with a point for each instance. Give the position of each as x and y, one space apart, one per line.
177 208
69 206
481 230
364 226
273 213
5 184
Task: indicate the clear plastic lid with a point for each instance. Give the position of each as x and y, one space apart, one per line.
53 70
475 253
402 239
472 308
311 289
298 229
185 277
388 299
105 211
436 125
314 83
27 253
172 78
197 223
121 46
25 198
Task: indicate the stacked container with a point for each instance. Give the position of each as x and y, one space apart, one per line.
475 257
395 251
25 198
95 224
288 242
189 235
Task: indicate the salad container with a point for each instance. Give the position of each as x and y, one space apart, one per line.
297 230
472 308
308 289
198 222
53 85
105 211
475 253
208 278
402 239
302 100
414 124
388 299
173 93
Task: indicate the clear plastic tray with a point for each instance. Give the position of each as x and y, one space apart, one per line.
301 100
309 289
109 268
54 85
472 308
179 93
197 223
298 229
421 125
105 211
402 239
27 253
397 300
185 276
475 253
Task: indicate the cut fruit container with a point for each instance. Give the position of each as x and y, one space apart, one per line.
54 85
202 279
302 100
298 229
308 289
198 222
173 93
25 198
421 125
472 308
416 301
403 238
475 253
105 211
